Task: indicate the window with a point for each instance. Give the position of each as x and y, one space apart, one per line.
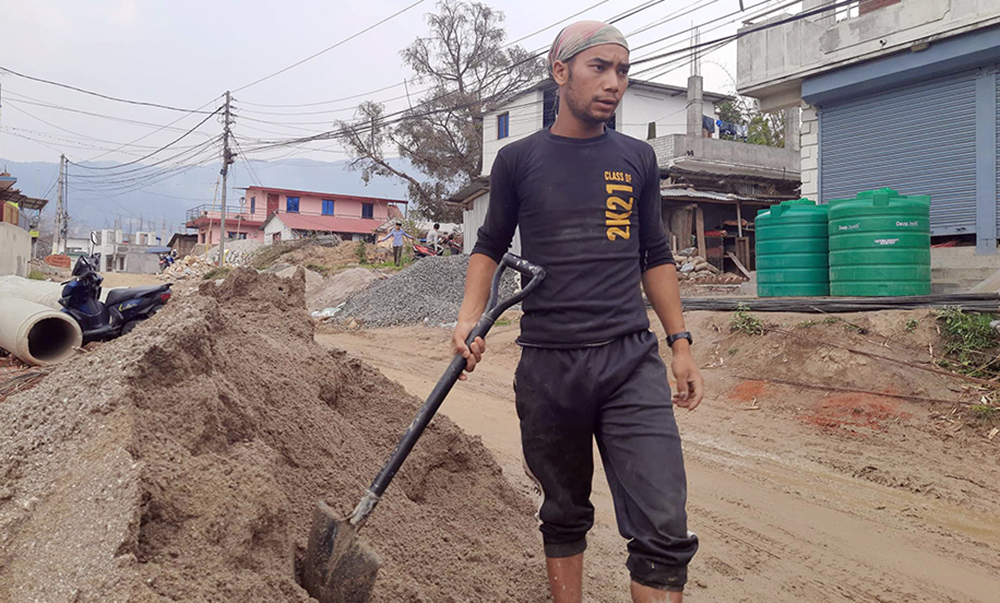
327 207
368 210
253 205
503 125
651 130
292 205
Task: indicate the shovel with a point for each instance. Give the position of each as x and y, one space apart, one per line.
337 568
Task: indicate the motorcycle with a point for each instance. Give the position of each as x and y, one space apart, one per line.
422 251
166 261
119 313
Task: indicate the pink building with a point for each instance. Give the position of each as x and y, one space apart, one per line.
275 214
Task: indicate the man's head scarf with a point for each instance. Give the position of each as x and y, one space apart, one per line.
580 36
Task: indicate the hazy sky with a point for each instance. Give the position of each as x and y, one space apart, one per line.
187 53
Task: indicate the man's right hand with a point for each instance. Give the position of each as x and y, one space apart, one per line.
472 354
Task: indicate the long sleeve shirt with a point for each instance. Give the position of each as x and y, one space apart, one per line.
397 237
589 214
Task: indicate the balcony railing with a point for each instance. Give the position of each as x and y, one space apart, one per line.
214 212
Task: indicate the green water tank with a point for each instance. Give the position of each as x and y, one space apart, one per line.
880 245
792 250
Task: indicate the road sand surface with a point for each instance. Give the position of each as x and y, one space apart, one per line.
796 495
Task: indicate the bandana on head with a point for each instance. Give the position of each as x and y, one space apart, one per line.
580 36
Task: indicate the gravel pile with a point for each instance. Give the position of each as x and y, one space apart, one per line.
430 291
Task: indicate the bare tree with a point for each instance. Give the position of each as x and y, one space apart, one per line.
469 72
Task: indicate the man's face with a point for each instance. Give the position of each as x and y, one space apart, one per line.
593 82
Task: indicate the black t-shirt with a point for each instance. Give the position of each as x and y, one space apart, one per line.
589 214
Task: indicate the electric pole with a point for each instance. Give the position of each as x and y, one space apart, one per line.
57 233
228 158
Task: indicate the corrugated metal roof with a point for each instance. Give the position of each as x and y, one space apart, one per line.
690 193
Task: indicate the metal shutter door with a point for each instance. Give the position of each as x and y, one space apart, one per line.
919 139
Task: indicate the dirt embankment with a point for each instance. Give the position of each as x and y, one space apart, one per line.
183 462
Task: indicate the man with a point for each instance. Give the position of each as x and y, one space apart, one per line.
587 202
433 236
397 233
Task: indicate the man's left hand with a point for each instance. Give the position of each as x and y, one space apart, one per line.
690 384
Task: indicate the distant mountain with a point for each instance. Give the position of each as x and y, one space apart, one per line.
168 200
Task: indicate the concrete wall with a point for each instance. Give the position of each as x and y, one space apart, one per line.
15 250
639 107
140 262
727 157
771 64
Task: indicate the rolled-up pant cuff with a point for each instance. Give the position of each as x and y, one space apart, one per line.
565 549
660 577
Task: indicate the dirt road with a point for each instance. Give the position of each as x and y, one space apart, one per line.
797 495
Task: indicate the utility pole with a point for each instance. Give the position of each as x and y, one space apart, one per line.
59 208
228 158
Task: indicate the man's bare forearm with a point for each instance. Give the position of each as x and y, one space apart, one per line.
477 287
664 293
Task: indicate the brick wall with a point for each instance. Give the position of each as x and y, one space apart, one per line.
810 152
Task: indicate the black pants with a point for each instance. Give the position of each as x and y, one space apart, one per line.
618 393
397 254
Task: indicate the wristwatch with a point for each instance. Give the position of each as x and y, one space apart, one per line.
672 339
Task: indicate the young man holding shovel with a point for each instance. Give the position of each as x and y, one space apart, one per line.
587 201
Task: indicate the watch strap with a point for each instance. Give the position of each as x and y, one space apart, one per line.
671 339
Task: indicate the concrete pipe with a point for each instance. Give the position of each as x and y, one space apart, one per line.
36 334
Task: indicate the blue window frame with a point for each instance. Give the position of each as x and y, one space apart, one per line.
253 205
503 125
292 205
327 207
368 210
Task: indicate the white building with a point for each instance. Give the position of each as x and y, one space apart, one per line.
647 110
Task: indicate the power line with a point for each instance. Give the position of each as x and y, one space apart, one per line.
97 94
329 48
749 31
163 148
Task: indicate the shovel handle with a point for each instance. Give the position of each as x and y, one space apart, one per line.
494 308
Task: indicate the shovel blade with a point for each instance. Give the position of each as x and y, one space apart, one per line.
337 568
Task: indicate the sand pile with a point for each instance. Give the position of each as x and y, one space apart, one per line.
182 463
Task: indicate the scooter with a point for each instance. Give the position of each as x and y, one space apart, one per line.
121 311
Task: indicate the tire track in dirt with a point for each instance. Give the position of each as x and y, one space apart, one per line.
774 525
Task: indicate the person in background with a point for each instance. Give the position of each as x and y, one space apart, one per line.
397 234
433 236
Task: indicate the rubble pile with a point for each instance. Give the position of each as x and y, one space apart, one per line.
693 268
192 266
238 253
430 291
183 462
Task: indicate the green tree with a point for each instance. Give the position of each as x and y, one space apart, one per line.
469 71
766 129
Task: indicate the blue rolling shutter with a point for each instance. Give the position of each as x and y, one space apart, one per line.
919 139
